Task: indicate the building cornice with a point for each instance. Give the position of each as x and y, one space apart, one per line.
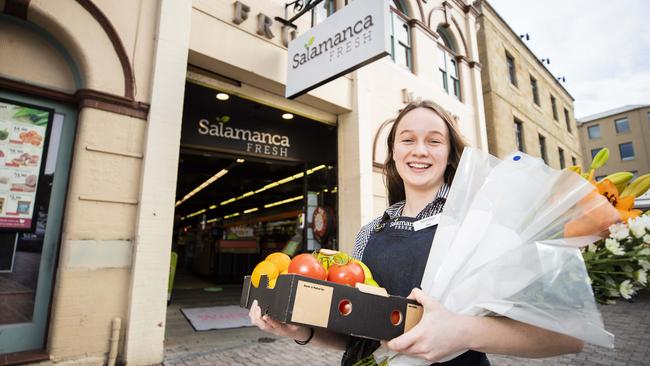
82 98
416 23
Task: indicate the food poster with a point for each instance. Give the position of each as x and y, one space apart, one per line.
23 144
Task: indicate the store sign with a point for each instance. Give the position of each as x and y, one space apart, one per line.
352 37
24 136
246 128
256 141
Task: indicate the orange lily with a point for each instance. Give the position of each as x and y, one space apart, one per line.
622 204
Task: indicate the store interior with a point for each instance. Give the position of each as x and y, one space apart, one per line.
234 207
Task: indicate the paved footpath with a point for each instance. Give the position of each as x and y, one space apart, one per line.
630 322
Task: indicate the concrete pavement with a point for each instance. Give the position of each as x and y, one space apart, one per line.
630 322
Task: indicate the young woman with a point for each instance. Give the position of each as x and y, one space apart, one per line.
424 148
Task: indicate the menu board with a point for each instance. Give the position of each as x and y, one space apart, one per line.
24 135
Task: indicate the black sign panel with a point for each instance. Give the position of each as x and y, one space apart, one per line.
246 128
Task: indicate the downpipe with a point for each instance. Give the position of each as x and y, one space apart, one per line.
116 325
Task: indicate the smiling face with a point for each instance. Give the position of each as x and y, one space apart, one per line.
421 150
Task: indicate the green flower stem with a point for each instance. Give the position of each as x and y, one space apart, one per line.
606 272
618 260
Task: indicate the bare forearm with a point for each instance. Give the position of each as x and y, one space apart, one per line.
509 337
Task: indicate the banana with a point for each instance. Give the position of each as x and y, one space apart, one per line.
638 187
576 169
600 159
620 179
366 270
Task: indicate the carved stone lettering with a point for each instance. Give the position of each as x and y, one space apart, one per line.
264 23
241 12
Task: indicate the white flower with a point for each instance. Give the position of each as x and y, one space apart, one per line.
638 226
589 281
644 264
645 219
644 251
592 248
614 247
642 277
610 302
619 231
646 238
626 289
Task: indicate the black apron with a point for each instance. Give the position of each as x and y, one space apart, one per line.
397 255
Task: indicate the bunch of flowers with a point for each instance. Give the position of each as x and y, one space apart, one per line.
618 265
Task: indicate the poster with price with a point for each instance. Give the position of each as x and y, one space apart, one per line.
24 136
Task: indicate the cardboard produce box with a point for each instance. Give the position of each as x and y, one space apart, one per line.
363 311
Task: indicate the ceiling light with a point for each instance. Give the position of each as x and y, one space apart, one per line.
240 161
251 210
223 96
287 116
231 215
283 201
274 184
201 186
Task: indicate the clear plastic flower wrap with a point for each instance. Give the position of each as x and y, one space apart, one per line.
507 244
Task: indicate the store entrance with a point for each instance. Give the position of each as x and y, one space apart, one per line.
251 180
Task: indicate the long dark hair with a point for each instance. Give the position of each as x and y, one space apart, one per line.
393 181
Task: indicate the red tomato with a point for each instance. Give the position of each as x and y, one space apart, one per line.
308 266
346 274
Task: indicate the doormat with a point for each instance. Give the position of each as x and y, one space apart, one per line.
217 317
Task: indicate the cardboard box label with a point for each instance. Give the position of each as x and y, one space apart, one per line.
312 304
413 316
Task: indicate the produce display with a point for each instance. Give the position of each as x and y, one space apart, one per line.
325 264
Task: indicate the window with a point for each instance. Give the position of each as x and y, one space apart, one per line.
533 86
448 66
321 11
622 125
561 153
400 38
512 72
554 107
519 135
626 150
574 161
635 174
567 119
542 148
593 132
598 178
595 151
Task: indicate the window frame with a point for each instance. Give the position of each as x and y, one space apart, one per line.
402 18
616 125
519 135
620 151
574 161
512 68
560 152
543 152
449 61
535 89
331 10
567 120
595 127
595 151
554 107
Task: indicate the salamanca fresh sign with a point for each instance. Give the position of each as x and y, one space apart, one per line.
349 39
219 130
